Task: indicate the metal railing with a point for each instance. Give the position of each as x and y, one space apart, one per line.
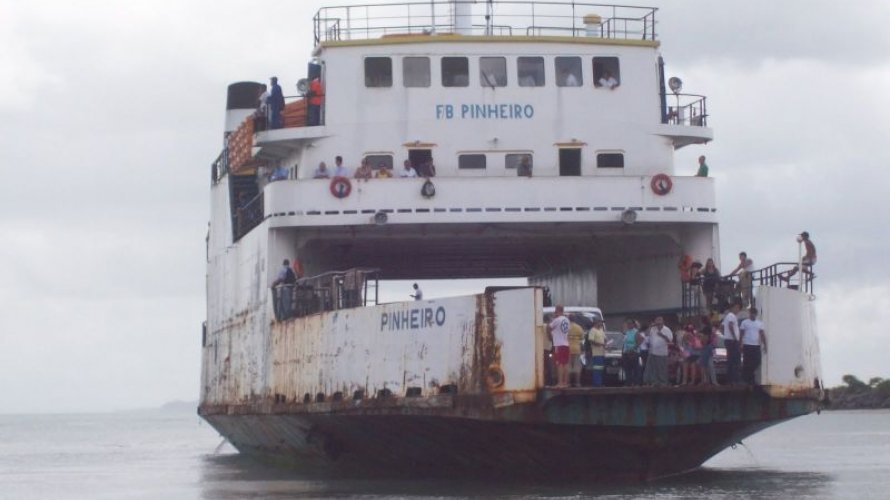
786 275
219 168
730 289
358 22
248 216
333 290
688 109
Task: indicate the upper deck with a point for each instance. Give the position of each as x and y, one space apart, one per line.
401 22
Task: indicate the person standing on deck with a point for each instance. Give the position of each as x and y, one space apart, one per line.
630 356
745 270
418 293
730 327
339 169
316 98
702 167
275 103
576 337
559 335
282 291
597 338
660 337
753 340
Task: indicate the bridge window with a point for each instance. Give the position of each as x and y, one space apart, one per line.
378 72
610 160
471 161
493 71
455 72
512 161
379 161
416 71
606 72
568 72
530 71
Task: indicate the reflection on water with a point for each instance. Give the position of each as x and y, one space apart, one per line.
171 457
235 476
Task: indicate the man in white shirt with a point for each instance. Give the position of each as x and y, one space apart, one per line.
608 81
660 337
559 335
418 293
730 329
339 169
753 340
408 171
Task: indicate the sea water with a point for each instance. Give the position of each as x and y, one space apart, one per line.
163 455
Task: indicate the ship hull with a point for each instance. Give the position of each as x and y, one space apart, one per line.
611 434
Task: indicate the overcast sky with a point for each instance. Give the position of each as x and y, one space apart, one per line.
113 111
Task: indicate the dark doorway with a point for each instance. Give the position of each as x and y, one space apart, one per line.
570 161
422 161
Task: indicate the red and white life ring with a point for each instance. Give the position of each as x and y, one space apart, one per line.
340 187
661 184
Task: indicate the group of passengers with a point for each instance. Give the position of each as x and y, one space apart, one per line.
649 351
366 171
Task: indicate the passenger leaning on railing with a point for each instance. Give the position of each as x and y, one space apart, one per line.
283 291
746 282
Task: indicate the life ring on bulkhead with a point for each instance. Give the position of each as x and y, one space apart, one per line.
661 184
340 187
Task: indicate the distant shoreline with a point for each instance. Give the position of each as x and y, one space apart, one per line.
843 398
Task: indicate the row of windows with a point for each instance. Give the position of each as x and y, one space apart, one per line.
511 160
455 71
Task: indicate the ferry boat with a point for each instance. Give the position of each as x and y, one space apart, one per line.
541 138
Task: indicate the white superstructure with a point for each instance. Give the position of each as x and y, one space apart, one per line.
576 90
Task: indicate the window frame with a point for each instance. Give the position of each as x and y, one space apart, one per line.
429 73
374 166
603 65
461 156
451 84
543 71
577 70
483 80
600 154
384 83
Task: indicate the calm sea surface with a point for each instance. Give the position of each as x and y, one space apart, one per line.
177 456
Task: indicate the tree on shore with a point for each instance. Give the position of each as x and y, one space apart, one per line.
858 394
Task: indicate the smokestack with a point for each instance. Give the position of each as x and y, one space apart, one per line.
241 101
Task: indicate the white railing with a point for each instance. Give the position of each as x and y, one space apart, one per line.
483 199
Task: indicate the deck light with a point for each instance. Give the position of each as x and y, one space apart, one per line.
675 84
629 217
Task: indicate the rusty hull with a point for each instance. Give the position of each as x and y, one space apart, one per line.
627 433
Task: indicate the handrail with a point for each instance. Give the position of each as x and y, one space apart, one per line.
219 167
356 22
248 216
688 109
329 291
729 287
781 274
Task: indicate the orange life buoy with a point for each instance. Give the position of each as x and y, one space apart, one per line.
661 184
340 187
